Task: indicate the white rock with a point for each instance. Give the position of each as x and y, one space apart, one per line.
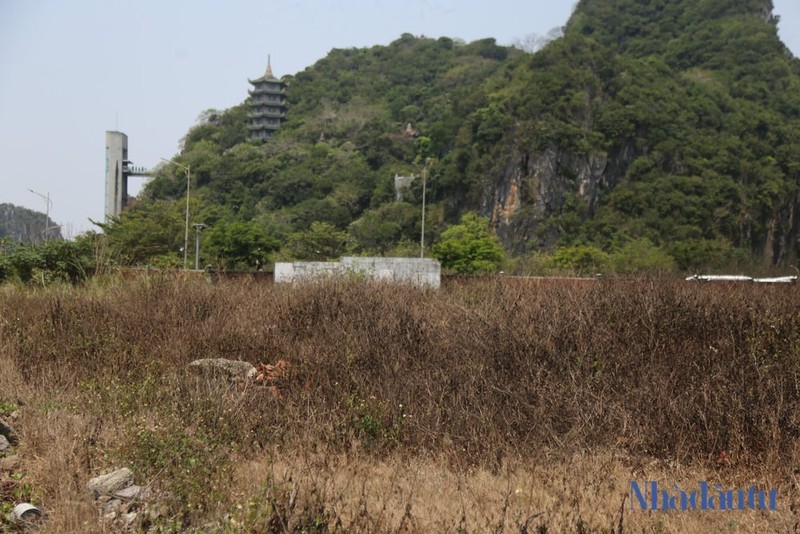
133 493
224 367
110 483
111 507
128 519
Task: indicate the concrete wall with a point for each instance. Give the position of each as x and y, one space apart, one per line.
300 270
420 272
423 272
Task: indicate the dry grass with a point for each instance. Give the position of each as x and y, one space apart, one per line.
484 406
584 491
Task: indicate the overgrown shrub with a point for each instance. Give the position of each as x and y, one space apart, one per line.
479 372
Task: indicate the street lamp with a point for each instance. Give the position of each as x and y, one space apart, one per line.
198 227
48 205
428 163
188 170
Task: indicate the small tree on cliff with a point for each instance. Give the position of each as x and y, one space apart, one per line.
470 247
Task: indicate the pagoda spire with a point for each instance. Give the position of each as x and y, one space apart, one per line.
268 74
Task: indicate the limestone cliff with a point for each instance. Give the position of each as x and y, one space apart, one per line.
24 225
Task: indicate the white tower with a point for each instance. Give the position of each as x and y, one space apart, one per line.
116 173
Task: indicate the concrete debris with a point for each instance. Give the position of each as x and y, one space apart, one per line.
110 483
25 513
9 462
121 503
8 432
128 520
231 369
134 492
109 507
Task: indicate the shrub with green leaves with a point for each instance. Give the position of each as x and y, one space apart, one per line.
470 247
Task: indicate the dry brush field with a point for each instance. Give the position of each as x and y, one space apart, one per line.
481 407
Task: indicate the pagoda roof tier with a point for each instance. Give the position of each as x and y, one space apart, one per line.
266 113
264 89
263 127
264 79
281 105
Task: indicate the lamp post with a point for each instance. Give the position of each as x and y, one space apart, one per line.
48 205
188 170
198 227
428 163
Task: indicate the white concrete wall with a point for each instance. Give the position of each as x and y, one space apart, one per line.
423 272
420 272
299 270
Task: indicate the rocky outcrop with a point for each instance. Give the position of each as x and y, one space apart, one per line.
26 226
535 186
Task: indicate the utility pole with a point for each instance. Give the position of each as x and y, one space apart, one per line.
428 163
198 227
48 204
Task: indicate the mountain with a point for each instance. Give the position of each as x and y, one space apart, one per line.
26 226
674 123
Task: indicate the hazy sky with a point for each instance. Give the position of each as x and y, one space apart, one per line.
72 69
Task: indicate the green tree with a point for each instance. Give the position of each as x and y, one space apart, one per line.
379 230
700 254
237 245
146 231
470 247
320 242
579 258
641 256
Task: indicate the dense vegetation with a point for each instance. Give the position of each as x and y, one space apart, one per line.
694 109
650 136
358 117
487 404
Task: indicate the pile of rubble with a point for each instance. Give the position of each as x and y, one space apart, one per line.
121 503
269 376
23 513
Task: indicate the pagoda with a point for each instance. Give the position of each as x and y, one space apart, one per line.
267 105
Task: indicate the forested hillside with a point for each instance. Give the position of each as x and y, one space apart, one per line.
668 131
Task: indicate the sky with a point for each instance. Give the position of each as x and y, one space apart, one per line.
72 69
